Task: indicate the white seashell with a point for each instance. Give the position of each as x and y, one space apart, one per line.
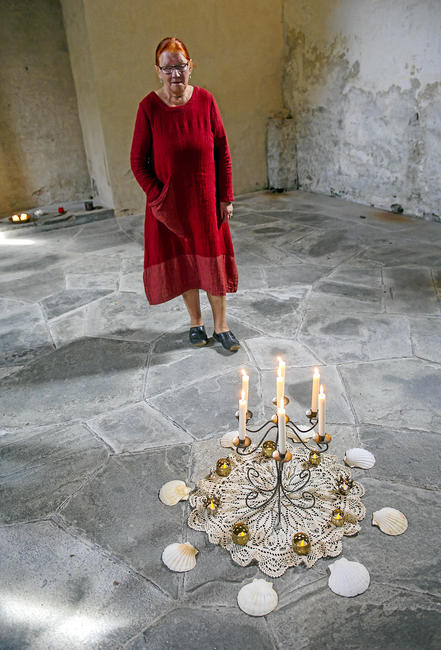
348 578
173 492
390 521
180 557
303 435
257 598
358 457
227 439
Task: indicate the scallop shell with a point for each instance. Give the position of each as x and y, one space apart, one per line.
390 521
358 457
348 578
173 492
180 557
257 598
227 439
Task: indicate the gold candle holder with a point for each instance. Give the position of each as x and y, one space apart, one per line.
240 534
212 504
223 467
301 544
268 448
338 517
344 485
314 458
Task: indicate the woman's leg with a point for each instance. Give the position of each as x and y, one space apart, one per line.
219 308
192 302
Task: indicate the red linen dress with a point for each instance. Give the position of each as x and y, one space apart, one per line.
180 158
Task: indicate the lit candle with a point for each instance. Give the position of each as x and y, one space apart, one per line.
280 389
282 366
321 411
245 384
15 217
281 421
242 417
315 390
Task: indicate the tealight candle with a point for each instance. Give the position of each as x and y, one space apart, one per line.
301 544
321 412
15 217
344 485
240 534
338 518
212 504
314 458
223 467
315 390
245 385
268 448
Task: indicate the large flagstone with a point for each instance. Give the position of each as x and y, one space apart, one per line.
410 291
24 335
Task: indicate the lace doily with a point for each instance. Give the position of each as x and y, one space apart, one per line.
272 548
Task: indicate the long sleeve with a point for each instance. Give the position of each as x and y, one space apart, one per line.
224 180
140 157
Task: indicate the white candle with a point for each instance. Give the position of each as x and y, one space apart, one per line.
282 366
280 389
315 390
242 417
321 411
281 421
245 384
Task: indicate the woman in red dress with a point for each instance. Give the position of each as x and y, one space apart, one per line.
180 158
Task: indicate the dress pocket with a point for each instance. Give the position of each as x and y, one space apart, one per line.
164 209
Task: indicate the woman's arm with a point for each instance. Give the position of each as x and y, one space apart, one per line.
222 157
140 157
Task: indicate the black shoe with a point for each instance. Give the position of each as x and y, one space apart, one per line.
198 336
228 340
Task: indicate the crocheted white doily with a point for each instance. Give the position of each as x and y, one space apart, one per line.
272 548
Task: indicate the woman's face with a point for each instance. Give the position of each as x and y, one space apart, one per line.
175 79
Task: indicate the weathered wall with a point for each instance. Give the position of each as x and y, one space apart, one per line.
42 156
89 109
363 83
237 49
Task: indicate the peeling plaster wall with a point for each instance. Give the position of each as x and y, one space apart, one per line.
237 49
363 83
42 156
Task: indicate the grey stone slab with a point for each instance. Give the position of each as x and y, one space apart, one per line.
399 252
59 593
136 428
251 278
265 351
327 246
411 560
68 328
251 218
120 510
132 263
397 392
31 262
295 274
420 463
410 291
383 618
344 296
436 274
340 338
40 469
273 314
24 335
94 263
178 340
92 281
103 235
298 388
426 338
8 370
35 287
174 370
64 301
359 272
220 629
129 316
206 408
82 379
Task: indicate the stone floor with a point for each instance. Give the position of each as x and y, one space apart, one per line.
102 401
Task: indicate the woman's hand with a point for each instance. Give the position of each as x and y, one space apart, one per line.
226 210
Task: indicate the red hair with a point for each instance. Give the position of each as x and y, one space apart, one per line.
171 44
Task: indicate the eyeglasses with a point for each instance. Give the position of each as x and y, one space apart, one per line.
168 69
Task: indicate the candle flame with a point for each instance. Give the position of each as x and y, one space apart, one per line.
244 373
322 392
316 372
